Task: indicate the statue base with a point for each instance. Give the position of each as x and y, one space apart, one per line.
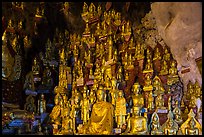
162 110
117 131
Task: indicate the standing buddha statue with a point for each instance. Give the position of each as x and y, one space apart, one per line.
41 104
84 108
120 109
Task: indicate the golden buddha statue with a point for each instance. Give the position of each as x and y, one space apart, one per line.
92 97
160 102
99 10
177 112
92 10
173 76
190 90
87 30
98 30
41 104
192 102
166 55
130 62
120 109
164 68
35 67
139 51
67 123
138 99
191 126
85 108
155 127
157 54
170 127
117 19
197 90
148 67
101 120
128 28
85 12
125 60
148 54
148 83
157 84
56 111
150 99
119 74
131 44
137 124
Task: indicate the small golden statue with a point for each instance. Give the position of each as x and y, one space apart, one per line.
120 109
160 102
41 104
191 126
197 90
177 112
117 19
155 127
150 101
157 84
164 69
36 67
137 124
56 111
170 127
157 54
85 108
138 99
87 30
173 76
166 55
148 67
148 83
190 90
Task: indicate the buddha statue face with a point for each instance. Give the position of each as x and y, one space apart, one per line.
136 111
100 95
120 94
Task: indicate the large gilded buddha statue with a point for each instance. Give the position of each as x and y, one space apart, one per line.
101 120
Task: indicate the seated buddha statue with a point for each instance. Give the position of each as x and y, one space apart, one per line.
157 54
164 68
56 111
117 19
35 67
148 66
170 127
197 90
131 44
160 102
173 76
137 124
138 99
87 29
191 126
166 55
98 30
157 84
148 83
177 114
101 120
154 125
148 54
190 90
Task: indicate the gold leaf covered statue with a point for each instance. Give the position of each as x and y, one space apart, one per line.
164 68
157 54
155 127
101 120
160 102
170 127
148 83
138 99
148 67
157 84
84 108
120 109
173 74
137 124
191 126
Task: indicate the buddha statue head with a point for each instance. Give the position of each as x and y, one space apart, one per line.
120 93
136 111
100 94
136 88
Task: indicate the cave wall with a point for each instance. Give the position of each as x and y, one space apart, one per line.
180 26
